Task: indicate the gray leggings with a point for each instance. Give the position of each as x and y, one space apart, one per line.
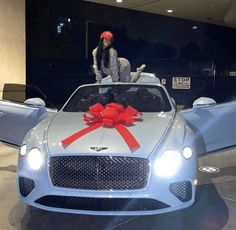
125 71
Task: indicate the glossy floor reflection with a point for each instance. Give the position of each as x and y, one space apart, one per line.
215 207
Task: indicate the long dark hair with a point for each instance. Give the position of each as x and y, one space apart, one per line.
101 52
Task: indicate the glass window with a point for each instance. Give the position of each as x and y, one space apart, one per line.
141 97
19 93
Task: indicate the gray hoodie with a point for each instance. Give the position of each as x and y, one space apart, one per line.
116 65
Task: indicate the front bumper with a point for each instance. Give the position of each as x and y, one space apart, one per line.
159 196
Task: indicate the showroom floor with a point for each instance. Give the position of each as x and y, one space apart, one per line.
215 207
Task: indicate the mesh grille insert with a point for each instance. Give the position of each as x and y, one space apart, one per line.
101 204
182 190
99 173
26 186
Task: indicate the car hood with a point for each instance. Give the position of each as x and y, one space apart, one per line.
148 133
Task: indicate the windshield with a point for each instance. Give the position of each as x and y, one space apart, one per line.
141 97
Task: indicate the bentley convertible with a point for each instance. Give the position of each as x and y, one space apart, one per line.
114 148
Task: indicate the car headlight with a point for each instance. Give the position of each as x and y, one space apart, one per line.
187 152
35 158
23 150
168 164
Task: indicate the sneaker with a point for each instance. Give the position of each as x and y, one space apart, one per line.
137 74
141 68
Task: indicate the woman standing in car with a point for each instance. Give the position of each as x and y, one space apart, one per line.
106 62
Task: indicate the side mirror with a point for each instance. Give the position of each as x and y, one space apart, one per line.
204 102
173 101
35 102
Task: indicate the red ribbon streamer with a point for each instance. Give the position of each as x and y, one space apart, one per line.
113 115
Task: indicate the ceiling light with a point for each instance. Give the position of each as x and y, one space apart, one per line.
119 1
169 11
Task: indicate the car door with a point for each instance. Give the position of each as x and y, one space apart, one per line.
18 117
214 125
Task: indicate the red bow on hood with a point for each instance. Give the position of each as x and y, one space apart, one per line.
113 115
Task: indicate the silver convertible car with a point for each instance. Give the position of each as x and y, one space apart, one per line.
114 148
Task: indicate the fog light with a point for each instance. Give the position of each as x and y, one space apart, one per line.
187 152
35 159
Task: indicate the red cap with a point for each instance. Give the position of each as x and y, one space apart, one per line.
107 35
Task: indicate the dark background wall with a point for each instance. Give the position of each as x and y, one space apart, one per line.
56 31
